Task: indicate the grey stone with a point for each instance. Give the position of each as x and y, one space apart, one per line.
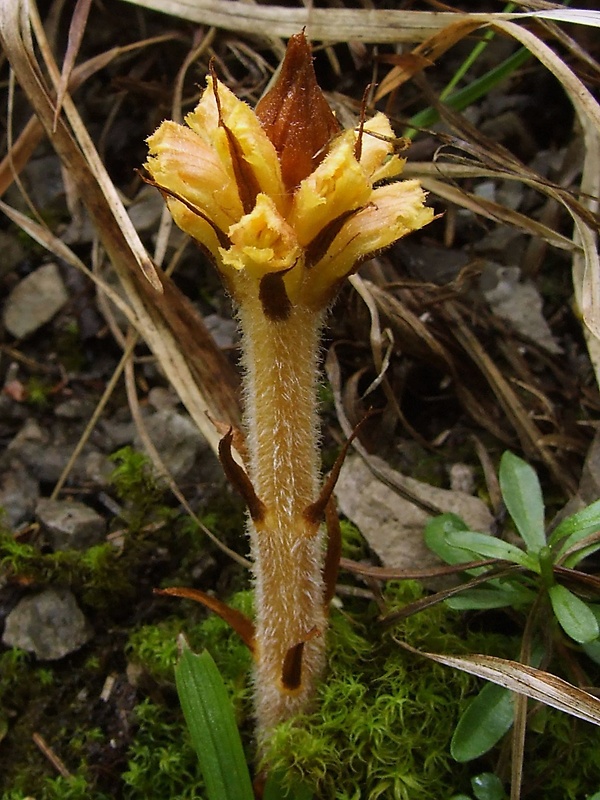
49 624
224 331
19 492
438 265
116 433
162 398
74 408
392 524
43 455
519 303
98 468
43 177
70 525
34 301
177 440
146 209
12 252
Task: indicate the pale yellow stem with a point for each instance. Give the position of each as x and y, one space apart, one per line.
281 371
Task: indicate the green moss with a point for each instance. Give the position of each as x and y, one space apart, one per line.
136 486
385 716
378 731
38 392
98 575
354 545
154 647
382 729
73 788
162 762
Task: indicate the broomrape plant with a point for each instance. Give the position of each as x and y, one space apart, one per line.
286 205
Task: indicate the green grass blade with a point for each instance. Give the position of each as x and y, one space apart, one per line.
211 722
477 50
463 98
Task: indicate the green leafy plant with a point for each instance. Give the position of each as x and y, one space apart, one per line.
528 577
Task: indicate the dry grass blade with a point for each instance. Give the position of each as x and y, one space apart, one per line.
33 132
586 267
526 429
576 15
76 31
391 573
55 245
420 341
322 24
426 53
198 371
430 600
496 212
525 680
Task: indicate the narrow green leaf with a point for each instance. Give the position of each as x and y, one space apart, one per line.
523 498
210 719
575 617
492 597
485 721
485 546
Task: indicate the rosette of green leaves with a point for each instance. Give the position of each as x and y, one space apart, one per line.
538 564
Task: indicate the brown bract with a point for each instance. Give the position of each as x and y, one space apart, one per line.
296 116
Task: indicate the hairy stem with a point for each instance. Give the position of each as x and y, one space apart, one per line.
280 359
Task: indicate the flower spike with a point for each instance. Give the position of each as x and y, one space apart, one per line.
287 205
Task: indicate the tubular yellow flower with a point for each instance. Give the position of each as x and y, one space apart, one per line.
261 241
287 206
233 168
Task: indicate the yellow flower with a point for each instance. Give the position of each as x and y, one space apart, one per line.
281 190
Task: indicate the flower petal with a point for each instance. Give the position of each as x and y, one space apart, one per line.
196 227
232 116
183 163
377 149
394 211
338 185
262 241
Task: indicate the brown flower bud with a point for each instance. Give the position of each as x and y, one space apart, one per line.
296 116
